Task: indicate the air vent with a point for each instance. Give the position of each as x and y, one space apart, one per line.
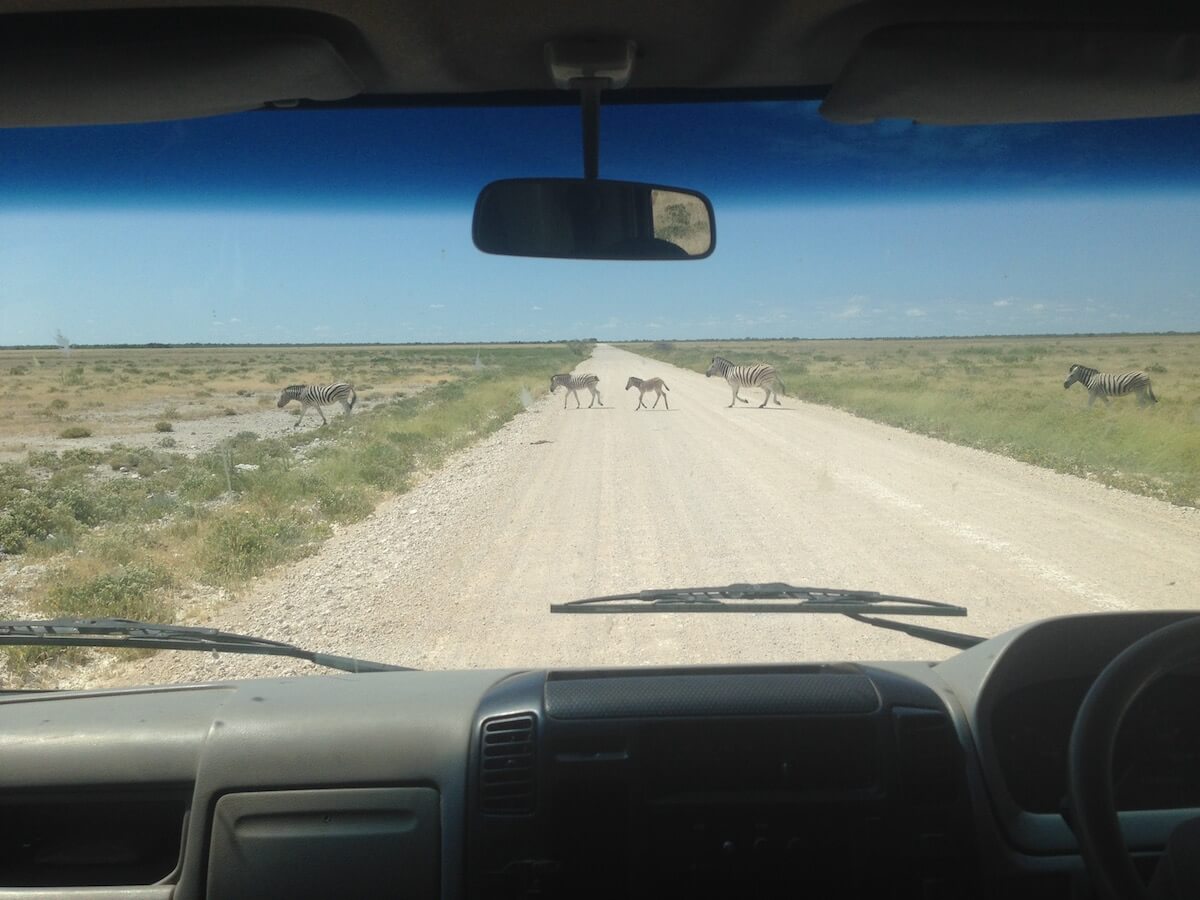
507 782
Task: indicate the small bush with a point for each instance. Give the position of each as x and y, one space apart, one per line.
170 413
58 404
127 593
242 392
167 443
75 431
242 545
163 426
227 411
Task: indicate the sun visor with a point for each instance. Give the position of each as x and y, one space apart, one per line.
975 74
81 77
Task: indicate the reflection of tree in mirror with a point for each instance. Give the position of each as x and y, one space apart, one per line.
682 220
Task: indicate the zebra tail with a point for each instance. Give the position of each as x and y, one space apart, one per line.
665 388
1150 391
353 397
780 388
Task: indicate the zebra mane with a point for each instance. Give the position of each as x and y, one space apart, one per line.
722 359
1084 370
295 387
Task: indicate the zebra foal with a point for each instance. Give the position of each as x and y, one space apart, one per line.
573 383
318 395
759 375
1105 385
646 385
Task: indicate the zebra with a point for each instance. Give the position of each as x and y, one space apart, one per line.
759 375
649 384
1104 385
318 395
573 383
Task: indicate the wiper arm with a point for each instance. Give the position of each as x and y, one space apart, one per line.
783 598
127 633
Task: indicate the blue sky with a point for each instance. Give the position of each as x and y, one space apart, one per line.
358 229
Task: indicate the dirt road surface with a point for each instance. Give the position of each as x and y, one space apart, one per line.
558 505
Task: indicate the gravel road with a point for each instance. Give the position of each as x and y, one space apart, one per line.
559 505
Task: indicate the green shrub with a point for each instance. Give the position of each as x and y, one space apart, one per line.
125 593
75 431
58 404
163 426
244 544
167 442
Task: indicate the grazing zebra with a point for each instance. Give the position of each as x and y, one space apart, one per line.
318 395
1104 385
759 375
649 384
573 383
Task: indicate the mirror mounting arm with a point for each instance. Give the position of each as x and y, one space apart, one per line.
590 66
589 107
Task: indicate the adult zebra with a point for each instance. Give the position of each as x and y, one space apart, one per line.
759 375
1104 385
318 395
573 383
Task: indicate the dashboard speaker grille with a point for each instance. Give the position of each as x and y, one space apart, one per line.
508 780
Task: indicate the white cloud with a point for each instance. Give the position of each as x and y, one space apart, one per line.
852 311
536 308
217 324
1005 302
437 305
321 329
914 312
234 320
1037 307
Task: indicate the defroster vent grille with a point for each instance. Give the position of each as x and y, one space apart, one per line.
508 782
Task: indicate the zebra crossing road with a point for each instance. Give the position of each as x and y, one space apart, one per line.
561 505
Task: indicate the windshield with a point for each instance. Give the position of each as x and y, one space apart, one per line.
257 378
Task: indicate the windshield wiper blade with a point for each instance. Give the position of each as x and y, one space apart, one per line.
783 598
760 598
128 633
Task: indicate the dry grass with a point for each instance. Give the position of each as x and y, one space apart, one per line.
1003 394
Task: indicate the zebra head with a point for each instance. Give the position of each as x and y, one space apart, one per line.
718 367
1078 373
288 394
633 382
556 380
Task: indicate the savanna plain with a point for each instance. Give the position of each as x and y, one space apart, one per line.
159 483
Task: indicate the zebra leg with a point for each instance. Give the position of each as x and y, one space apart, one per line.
300 418
656 399
735 397
639 406
577 403
766 397
346 407
324 421
595 398
666 402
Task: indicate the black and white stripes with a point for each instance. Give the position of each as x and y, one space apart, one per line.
573 383
318 395
759 375
1105 385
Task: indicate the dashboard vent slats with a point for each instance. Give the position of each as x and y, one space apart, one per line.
508 766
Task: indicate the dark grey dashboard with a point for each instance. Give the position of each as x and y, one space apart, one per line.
901 779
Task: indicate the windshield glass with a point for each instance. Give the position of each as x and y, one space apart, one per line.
954 364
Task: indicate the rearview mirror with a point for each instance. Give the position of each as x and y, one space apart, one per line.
581 218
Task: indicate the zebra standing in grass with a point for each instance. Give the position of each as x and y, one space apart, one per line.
644 386
573 383
759 375
318 395
1104 385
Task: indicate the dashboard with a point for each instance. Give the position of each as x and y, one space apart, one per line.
888 780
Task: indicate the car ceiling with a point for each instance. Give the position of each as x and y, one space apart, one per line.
412 48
